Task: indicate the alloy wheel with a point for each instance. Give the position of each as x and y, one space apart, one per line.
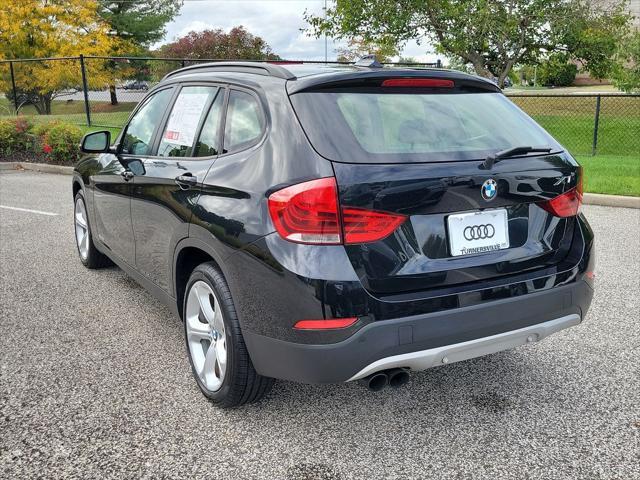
82 228
206 335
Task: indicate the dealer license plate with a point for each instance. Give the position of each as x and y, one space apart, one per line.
478 232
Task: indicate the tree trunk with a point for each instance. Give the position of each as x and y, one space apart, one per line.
501 78
46 100
112 93
478 65
482 71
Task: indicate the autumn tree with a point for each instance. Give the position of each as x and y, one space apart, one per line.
52 28
493 36
238 44
137 25
235 45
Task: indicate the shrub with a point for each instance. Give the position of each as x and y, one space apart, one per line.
15 135
61 143
557 71
41 130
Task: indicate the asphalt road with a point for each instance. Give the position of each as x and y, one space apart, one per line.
94 382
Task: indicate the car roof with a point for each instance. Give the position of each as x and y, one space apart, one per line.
302 76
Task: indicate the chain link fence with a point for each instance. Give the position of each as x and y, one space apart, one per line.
588 124
102 92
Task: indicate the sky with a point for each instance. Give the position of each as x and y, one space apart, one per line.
278 22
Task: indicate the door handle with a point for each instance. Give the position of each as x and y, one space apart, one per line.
186 181
127 175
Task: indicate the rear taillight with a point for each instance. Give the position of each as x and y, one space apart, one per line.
365 226
568 204
308 213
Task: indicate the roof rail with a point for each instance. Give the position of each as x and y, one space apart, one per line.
258 68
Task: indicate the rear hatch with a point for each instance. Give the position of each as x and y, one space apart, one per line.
415 144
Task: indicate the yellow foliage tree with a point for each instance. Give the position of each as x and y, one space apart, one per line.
52 28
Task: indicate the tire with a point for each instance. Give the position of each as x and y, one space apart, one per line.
214 325
87 251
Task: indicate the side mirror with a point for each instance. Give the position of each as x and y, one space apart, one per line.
96 142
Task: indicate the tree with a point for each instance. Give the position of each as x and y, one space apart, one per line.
557 71
138 25
626 73
356 48
492 36
216 44
407 60
52 28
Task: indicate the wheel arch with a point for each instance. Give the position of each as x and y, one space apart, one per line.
76 185
189 253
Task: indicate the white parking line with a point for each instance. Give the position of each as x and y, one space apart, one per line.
51 214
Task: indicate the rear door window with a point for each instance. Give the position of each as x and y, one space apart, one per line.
184 120
209 142
353 126
244 122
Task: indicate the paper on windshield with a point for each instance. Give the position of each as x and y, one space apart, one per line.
184 119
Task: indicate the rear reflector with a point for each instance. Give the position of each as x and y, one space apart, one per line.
308 213
328 324
418 82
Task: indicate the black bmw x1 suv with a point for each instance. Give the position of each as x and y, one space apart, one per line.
335 223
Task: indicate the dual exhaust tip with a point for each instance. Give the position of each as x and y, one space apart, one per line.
395 377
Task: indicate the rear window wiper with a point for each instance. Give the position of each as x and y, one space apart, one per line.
512 152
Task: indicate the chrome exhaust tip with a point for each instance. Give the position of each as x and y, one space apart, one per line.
376 381
398 377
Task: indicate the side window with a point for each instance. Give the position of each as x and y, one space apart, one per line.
208 143
139 133
244 122
185 117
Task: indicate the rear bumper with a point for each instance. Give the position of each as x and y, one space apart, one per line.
422 341
433 357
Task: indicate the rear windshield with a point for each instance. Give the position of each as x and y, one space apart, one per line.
413 127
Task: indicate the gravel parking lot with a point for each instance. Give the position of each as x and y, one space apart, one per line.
95 382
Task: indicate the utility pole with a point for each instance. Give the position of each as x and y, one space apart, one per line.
325 33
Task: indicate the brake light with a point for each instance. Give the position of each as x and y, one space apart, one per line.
364 226
565 205
568 204
308 213
328 324
418 82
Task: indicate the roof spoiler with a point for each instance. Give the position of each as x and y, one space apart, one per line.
457 82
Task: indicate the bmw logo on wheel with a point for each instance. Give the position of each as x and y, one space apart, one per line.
489 189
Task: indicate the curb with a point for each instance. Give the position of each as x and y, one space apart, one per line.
611 200
37 167
588 198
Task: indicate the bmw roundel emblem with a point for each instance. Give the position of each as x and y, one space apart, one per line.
489 189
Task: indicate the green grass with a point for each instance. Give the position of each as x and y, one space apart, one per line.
102 113
114 131
571 121
611 174
563 90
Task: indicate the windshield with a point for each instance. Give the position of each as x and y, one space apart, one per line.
385 127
